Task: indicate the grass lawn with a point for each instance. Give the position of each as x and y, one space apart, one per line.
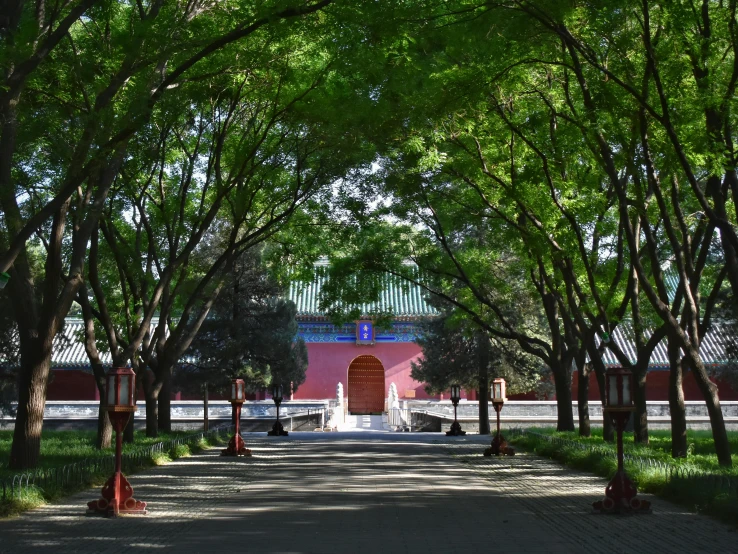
59 448
696 495
700 449
65 447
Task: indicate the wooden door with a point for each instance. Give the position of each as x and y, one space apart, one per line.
366 386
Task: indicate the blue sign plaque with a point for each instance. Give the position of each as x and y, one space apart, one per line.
364 332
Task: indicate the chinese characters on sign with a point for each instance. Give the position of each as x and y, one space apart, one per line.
364 332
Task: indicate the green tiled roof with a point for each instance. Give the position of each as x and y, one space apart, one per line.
403 299
713 349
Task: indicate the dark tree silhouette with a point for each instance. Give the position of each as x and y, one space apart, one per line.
250 333
456 352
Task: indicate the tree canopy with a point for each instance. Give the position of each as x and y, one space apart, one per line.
551 168
250 333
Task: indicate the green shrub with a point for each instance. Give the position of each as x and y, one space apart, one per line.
204 444
160 458
179 451
16 506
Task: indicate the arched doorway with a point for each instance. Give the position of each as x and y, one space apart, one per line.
366 386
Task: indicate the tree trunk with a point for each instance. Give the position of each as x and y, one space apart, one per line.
730 256
483 394
104 427
128 432
640 417
585 429
565 414
165 404
152 388
29 419
483 388
152 413
677 411
205 421
608 430
710 393
719 433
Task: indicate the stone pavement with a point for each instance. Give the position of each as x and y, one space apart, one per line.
364 493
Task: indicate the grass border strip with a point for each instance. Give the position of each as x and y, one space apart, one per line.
29 489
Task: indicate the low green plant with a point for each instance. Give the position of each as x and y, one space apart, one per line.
700 446
179 451
17 506
160 458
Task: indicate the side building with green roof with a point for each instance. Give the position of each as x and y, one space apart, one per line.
362 355
366 357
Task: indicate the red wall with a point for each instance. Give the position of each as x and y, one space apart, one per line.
657 387
72 384
329 362
328 365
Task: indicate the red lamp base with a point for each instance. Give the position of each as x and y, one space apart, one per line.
499 446
236 447
620 498
114 503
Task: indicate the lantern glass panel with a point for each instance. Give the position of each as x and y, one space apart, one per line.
233 392
498 390
240 391
111 390
612 396
626 390
124 390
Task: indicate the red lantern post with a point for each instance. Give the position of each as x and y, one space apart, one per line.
236 446
620 494
117 494
499 444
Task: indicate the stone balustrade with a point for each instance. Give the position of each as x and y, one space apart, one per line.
547 409
186 413
183 411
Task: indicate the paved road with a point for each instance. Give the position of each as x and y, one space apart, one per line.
364 493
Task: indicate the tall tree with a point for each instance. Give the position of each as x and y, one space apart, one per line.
250 333
144 54
455 354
